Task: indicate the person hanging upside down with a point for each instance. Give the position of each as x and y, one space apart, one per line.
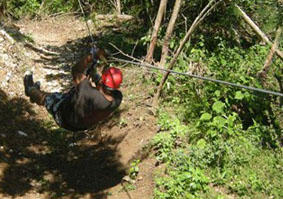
92 98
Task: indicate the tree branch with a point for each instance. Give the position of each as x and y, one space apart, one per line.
206 10
268 61
257 30
5 34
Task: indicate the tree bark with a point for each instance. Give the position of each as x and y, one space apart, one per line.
112 17
257 30
158 20
169 31
207 9
118 7
268 61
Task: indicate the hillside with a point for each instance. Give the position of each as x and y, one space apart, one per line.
40 160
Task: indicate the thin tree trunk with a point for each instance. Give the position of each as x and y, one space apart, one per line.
268 61
158 20
118 6
169 31
195 24
257 30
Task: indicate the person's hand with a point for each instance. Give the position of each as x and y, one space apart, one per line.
94 51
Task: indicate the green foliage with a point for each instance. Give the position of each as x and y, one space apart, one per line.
134 169
22 7
228 131
234 160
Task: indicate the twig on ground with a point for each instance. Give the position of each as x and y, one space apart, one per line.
125 189
5 34
41 50
64 14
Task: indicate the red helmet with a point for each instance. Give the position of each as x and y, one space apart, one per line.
112 77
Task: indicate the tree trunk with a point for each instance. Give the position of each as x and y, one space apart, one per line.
169 31
268 61
110 17
158 20
257 30
118 7
195 24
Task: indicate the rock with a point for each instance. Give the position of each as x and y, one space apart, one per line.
22 133
8 76
129 180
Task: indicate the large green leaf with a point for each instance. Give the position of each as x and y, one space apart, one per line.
239 95
218 107
205 117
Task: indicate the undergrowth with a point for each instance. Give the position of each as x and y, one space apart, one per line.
218 141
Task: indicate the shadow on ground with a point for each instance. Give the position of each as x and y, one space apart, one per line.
36 156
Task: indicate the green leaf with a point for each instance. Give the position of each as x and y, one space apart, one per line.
223 62
218 107
217 93
201 143
205 117
239 95
212 133
219 121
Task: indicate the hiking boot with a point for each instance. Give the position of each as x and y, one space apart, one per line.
29 84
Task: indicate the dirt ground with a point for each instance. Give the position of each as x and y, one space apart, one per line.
38 160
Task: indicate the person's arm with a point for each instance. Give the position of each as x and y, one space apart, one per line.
78 71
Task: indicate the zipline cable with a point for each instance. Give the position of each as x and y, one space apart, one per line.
146 65
89 32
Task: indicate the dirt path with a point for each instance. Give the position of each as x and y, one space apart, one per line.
39 160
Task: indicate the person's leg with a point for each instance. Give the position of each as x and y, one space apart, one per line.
38 97
32 90
51 101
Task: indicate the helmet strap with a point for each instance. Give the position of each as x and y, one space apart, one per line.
107 88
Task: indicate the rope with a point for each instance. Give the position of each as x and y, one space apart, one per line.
146 65
89 32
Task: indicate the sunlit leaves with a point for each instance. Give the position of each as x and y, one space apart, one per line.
218 107
205 117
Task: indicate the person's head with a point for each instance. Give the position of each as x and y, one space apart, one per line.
112 78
